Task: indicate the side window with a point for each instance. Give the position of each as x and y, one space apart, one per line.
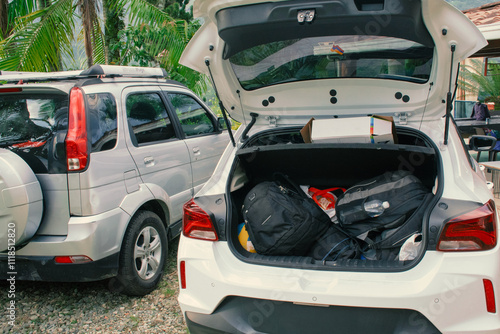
148 118
102 121
194 119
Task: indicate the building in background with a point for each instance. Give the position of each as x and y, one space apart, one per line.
487 19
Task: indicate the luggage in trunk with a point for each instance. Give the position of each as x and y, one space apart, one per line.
325 166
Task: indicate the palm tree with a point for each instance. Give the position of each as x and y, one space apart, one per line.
472 79
150 40
40 35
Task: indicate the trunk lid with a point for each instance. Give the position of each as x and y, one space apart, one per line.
353 57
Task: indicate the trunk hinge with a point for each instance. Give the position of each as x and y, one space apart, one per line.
402 118
273 120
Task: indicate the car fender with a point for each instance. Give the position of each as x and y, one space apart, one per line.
146 192
161 195
135 200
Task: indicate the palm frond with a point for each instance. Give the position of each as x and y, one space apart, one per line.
98 51
19 8
39 39
142 11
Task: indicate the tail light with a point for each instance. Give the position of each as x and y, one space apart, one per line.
197 224
472 231
76 140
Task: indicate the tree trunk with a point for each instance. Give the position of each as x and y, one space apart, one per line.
4 18
105 4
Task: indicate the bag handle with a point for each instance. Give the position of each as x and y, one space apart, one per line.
278 177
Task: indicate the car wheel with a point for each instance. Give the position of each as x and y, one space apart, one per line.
21 201
143 255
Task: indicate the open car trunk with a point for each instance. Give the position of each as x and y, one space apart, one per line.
325 166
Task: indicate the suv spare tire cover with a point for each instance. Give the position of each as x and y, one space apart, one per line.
21 205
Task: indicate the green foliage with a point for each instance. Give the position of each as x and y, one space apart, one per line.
161 45
113 25
38 39
177 9
472 79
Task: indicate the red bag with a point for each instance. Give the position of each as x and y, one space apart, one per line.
324 198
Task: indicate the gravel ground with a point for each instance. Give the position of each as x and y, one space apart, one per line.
43 307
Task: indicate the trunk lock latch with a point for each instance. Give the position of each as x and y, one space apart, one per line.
306 15
402 118
272 120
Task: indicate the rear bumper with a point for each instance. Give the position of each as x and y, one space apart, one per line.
44 268
244 315
97 237
444 290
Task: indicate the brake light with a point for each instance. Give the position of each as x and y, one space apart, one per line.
197 224
10 90
473 231
76 140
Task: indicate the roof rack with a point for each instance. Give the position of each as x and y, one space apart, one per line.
110 71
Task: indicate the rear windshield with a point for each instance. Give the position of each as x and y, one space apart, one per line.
332 57
28 126
32 119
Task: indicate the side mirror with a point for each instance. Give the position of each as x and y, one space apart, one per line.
482 143
222 123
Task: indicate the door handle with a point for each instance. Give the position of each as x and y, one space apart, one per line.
196 150
149 161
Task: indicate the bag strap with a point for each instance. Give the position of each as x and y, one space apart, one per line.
279 177
355 243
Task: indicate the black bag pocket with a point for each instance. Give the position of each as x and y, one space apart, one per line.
335 245
282 220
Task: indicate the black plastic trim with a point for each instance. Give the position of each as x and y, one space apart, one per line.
44 268
443 212
249 315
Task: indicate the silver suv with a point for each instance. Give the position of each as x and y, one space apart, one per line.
94 168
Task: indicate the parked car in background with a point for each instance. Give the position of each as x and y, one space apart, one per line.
95 167
277 65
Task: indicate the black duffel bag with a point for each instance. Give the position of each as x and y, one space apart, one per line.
404 194
335 244
281 219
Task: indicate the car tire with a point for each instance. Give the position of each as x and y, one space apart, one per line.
21 201
143 255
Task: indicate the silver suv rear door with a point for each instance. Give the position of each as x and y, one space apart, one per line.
204 139
161 157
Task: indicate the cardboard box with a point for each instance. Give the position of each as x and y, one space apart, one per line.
370 129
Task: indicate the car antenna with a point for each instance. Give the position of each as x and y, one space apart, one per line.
449 98
221 105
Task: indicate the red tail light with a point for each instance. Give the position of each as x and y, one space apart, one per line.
197 224
473 231
76 140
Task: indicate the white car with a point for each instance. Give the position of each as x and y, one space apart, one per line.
277 65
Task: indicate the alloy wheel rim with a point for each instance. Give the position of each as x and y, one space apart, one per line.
147 253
